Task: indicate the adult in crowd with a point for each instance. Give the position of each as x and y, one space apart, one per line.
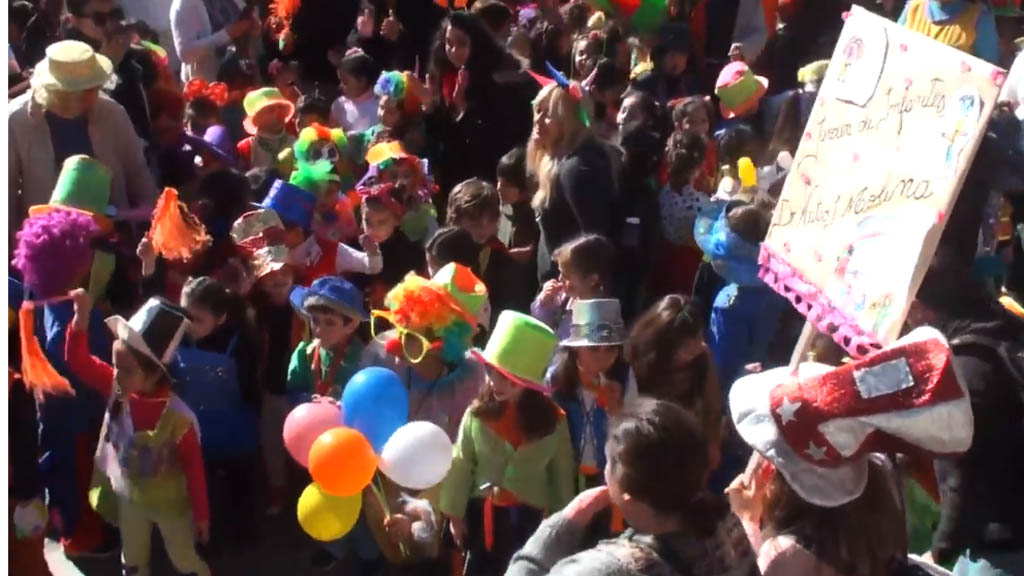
100 24
202 29
398 35
64 114
676 525
475 117
317 27
575 179
967 25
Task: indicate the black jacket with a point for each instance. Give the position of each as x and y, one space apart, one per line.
982 496
581 201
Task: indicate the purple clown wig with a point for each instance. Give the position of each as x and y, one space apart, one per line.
54 250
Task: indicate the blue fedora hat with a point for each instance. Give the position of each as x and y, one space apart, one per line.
293 204
332 292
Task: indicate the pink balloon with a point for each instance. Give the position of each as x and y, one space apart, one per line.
305 424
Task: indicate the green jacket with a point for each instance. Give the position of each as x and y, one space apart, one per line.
300 368
540 473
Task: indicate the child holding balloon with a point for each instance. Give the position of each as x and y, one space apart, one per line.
513 460
335 309
149 456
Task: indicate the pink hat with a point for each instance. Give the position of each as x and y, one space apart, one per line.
818 426
738 90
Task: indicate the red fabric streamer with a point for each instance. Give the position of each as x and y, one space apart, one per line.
37 372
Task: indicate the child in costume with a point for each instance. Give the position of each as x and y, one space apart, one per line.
382 211
27 516
513 459
816 499
389 163
746 314
400 115
316 255
322 367
312 108
475 206
215 375
356 109
149 459
268 114
260 236
203 102
739 94
586 266
590 381
679 204
70 229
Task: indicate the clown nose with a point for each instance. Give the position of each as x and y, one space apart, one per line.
394 347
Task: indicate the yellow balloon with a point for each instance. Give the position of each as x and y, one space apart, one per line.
326 517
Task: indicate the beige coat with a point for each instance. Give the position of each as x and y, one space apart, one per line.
33 170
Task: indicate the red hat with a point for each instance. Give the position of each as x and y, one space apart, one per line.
818 426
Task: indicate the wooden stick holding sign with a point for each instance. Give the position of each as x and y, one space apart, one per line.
885 151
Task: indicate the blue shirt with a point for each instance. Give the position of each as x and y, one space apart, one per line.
69 136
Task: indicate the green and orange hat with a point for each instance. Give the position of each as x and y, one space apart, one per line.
83 186
738 90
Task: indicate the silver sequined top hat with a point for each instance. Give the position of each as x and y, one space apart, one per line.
596 323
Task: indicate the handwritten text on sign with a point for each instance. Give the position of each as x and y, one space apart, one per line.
884 153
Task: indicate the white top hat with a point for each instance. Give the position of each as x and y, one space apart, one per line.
71 66
155 329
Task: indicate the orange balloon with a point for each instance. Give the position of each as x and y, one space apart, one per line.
342 461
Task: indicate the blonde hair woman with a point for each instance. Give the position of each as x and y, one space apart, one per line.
575 180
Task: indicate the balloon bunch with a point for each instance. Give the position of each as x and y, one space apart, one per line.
642 15
344 445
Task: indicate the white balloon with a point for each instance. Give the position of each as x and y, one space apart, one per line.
417 456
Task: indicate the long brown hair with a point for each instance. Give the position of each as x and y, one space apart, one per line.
863 537
536 414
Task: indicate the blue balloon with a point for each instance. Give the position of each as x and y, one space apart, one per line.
376 403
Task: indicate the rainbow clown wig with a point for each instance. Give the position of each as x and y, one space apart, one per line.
442 309
394 84
317 151
48 239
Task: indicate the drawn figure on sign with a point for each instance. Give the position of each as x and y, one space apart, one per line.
959 125
852 53
861 58
873 263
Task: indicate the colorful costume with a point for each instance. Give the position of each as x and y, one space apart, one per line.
261 150
967 26
501 482
389 163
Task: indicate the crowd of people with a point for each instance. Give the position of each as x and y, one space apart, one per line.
545 219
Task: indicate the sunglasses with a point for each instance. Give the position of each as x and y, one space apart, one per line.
102 18
414 345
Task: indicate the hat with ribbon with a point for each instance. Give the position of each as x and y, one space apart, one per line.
155 329
260 235
331 292
596 323
261 98
83 185
738 90
817 426
71 66
293 204
520 348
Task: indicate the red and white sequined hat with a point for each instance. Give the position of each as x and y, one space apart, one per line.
817 427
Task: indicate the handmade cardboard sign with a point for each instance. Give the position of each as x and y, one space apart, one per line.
890 138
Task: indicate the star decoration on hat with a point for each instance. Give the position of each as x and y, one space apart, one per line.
816 452
787 410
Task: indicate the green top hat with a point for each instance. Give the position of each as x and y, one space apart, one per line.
520 347
261 98
83 186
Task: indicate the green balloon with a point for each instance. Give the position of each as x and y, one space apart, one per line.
650 15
